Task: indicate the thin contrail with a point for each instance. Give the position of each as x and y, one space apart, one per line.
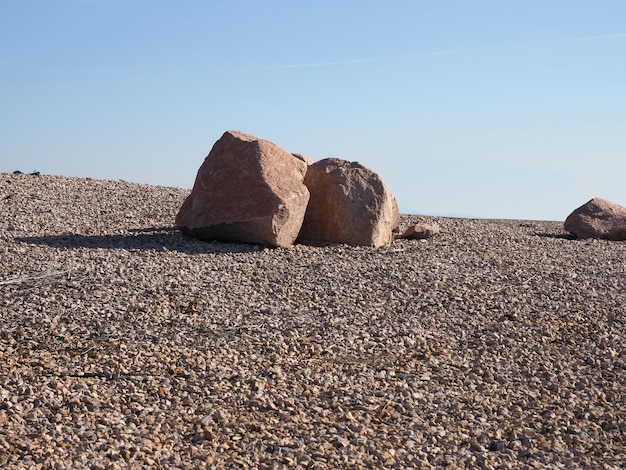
378 59
440 53
594 38
615 125
319 64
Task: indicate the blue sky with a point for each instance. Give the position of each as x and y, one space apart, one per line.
478 108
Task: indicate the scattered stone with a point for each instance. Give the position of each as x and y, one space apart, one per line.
497 446
598 218
247 190
349 204
420 231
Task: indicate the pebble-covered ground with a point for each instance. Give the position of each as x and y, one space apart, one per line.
124 344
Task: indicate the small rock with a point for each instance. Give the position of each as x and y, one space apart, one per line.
497 446
420 231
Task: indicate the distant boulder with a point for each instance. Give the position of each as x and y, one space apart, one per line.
349 204
598 218
247 190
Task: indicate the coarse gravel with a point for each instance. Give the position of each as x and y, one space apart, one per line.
125 344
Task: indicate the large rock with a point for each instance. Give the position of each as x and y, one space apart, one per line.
247 190
349 204
598 218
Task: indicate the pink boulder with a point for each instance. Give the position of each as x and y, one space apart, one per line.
247 190
349 204
598 218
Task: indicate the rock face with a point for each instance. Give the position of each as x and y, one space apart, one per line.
349 204
420 231
247 190
598 218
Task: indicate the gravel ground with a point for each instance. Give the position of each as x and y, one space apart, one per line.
124 344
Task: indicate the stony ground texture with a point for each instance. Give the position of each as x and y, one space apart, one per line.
124 344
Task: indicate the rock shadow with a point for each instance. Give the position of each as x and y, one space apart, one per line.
142 239
564 235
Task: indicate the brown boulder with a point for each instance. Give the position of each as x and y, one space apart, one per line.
349 204
598 218
247 190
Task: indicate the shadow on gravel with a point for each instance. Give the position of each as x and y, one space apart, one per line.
565 236
152 238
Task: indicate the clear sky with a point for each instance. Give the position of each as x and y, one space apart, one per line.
481 108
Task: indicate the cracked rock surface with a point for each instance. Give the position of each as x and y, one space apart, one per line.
125 344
